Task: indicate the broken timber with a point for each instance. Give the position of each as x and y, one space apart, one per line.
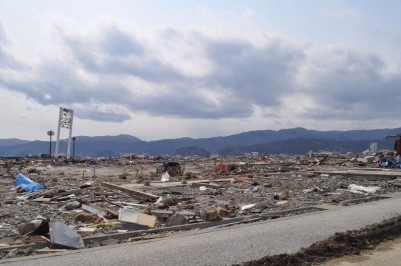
134 193
371 174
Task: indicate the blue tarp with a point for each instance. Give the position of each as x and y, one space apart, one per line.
27 184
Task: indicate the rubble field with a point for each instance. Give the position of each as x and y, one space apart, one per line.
82 203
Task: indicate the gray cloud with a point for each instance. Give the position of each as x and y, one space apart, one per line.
186 101
82 51
6 59
115 42
98 115
343 82
118 53
255 75
351 85
3 38
245 74
56 83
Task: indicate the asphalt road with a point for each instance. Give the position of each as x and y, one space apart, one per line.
229 245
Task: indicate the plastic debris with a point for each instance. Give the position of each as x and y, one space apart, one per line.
24 184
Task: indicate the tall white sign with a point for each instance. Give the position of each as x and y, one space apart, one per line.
65 121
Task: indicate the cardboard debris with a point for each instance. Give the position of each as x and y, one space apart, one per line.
132 216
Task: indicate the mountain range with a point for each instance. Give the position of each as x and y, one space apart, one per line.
285 141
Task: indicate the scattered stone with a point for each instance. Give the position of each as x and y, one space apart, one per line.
72 205
63 236
87 218
211 215
170 201
11 254
176 219
110 241
223 213
29 227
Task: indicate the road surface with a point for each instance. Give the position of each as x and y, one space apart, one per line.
226 246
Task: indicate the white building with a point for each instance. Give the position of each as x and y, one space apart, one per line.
373 147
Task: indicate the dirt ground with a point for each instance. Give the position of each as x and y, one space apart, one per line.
88 195
352 246
387 253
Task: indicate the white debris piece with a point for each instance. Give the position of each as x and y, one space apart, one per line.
133 216
159 200
87 229
249 206
356 188
165 177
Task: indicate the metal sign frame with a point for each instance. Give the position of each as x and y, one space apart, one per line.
66 117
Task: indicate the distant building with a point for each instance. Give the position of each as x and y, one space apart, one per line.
214 156
373 147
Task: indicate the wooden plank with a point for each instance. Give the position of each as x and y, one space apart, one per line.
214 186
367 174
47 250
113 212
36 239
136 193
96 210
242 179
42 200
147 237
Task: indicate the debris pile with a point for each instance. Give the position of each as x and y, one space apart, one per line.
82 203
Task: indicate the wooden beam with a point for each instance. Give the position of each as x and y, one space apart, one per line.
135 193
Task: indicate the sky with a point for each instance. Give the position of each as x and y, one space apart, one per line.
171 69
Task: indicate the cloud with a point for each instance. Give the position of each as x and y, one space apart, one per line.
7 61
346 83
3 38
108 73
118 43
255 75
113 51
97 114
240 74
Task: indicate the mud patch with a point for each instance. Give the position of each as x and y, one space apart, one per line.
341 244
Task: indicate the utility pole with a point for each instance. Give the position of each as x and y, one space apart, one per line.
50 133
73 147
